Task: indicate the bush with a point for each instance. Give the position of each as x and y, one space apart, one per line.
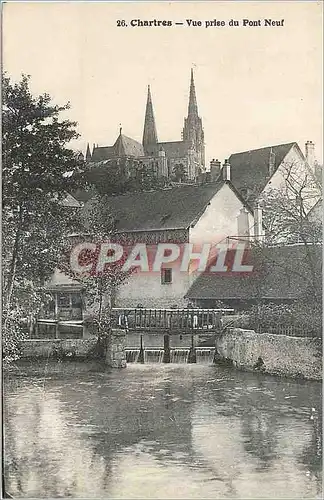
291 319
11 337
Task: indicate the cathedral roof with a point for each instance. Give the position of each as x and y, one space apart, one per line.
102 153
124 146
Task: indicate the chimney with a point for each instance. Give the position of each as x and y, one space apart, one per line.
272 162
310 154
226 171
215 169
215 164
258 230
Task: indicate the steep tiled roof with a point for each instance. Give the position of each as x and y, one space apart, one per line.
102 153
124 146
174 208
284 274
251 168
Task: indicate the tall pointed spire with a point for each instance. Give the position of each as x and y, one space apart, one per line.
192 107
149 133
193 133
88 153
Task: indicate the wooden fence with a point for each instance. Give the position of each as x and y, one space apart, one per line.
168 319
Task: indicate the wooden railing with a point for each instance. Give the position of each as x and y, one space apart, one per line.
168 319
150 320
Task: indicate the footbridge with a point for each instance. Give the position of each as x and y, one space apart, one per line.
185 321
170 335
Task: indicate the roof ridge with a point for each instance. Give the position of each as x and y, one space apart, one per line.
123 136
170 142
264 147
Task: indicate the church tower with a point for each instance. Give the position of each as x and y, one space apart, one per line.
149 133
193 132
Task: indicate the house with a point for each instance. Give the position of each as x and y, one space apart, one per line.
184 214
255 172
282 274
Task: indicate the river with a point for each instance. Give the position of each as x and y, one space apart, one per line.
160 431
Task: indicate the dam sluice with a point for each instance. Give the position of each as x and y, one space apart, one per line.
204 355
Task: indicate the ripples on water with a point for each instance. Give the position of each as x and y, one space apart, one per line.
161 431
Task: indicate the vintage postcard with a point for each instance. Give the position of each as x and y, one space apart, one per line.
162 249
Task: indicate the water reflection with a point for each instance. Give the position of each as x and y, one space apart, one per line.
162 431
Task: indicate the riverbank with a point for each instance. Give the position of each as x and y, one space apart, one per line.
295 357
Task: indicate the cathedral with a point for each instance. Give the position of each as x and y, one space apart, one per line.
183 160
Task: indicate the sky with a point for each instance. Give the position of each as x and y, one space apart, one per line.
256 85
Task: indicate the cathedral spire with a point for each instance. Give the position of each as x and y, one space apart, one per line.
88 153
192 107
149 133
193 133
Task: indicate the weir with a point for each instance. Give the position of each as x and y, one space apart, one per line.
153 355
179 355
138 335
132 355
203 355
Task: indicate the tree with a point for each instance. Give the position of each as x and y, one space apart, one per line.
179 173
288 219
38 172
99 289
287 209
121 175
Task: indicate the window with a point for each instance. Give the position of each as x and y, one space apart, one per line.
63 301
69 306
64 305
166 276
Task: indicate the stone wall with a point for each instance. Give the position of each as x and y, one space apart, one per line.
77 348
280 354
116 355
39 348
